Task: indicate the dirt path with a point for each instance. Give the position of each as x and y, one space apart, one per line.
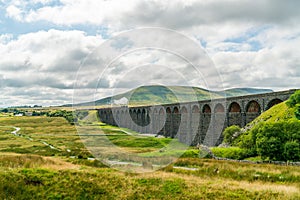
17 129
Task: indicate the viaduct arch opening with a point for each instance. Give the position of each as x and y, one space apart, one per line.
273 103
253 110
176 120
206 109
234 114
195 126
219 108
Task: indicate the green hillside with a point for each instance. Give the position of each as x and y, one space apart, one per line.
156 94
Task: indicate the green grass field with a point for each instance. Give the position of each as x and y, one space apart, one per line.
31 169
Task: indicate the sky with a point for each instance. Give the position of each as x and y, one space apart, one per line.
54 52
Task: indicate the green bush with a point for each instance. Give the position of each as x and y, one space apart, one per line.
279 140
297 112
292 150
68 115
191 153
294 99
231 153
229 132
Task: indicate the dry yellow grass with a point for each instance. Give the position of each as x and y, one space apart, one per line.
288 190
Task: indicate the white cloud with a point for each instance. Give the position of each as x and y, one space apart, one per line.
177 14
14 12
81 12
44 61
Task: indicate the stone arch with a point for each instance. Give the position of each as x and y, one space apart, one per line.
161 111
133 116
144 120
253 110
176 110
168 123
139 120
235 114
160 125
234 107
143 113
253 107
219 108
184 110
206 109
195 109
273 102
168 110
205 123
175 121
194 137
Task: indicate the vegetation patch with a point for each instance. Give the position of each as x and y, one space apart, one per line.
274 135
68 174
231 153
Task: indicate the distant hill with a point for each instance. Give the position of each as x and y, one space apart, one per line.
156 94
245 91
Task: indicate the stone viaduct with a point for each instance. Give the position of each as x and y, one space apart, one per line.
193 123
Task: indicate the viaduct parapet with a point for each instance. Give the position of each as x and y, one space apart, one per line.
200 122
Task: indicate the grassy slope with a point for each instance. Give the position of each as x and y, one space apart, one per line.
279 112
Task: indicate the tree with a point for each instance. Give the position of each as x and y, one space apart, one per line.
269 141
297 112
279 140
292 151
5 110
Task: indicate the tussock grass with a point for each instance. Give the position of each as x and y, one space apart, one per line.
103 183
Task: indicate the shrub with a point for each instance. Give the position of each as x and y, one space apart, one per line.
190 154
229 132
294 99
297 112
68 115
232 153
292 151
279 140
